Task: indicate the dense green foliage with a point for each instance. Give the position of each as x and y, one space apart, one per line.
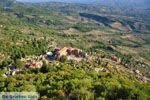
29 47
66 82
19 64
63 59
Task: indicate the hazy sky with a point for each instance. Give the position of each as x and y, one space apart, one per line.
85 0
117 3
34 0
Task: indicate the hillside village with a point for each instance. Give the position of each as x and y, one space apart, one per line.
72 54
36 61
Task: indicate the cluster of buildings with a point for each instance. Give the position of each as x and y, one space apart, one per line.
115 58
69 51
35 65
102 70
140 75
11 70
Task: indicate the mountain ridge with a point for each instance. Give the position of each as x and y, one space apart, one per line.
9 3
142 4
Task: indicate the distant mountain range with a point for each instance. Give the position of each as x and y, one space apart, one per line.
143 4
8 3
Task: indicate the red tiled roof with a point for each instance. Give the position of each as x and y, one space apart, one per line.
36 65
68 49
62 50
115 58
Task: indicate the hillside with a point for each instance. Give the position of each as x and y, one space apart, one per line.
140 13
107 55
142 4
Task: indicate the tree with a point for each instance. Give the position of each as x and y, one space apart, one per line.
81 94
28 88
19 64
5 63
63 58
99 62
48 22
3 70
44 98
44 68
73 62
